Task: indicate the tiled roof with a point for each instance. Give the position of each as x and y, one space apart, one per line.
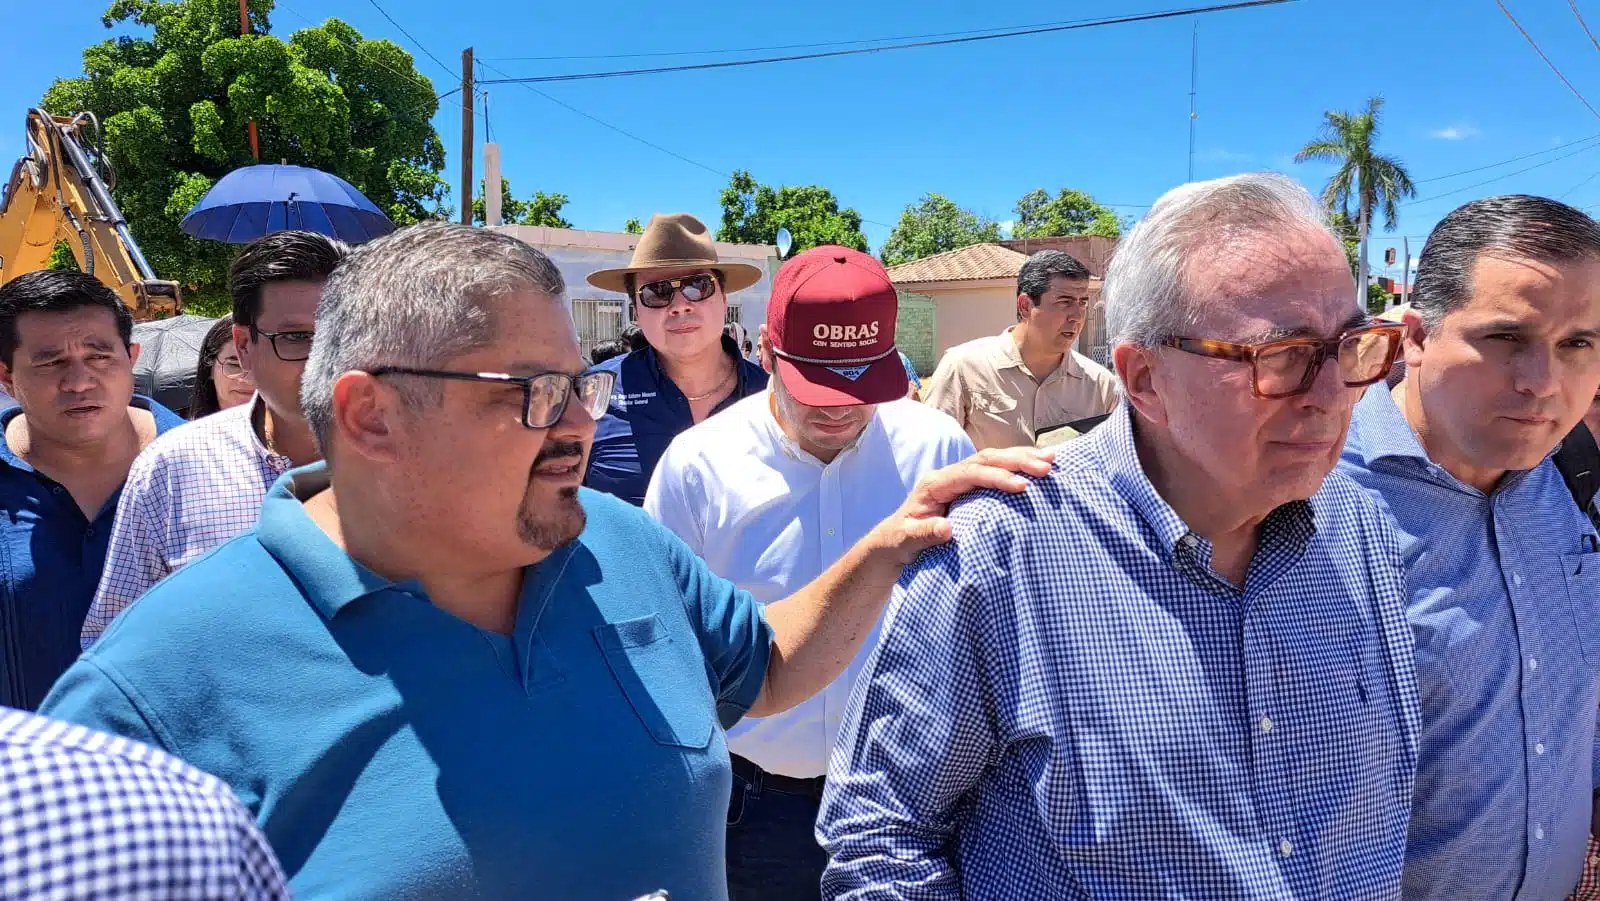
977 261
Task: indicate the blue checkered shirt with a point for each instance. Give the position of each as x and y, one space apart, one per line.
85 815
1505 604
1068 702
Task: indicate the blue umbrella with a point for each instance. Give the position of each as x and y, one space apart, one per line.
259 200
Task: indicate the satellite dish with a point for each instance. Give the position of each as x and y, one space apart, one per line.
785 241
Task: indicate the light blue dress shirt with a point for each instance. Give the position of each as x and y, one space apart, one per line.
1068 702
1505 603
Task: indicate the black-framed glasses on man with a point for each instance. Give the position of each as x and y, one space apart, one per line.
291 347
544 396
1289 367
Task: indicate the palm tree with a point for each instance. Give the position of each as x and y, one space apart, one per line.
1377 181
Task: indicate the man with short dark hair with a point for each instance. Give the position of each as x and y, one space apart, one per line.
204 484
1502 351
66 354
1007 388
437 667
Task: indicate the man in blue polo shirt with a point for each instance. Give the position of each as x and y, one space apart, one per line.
438 668
66 355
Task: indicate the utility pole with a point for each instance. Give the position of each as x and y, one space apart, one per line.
467 99
1194 79
1405 271
244 29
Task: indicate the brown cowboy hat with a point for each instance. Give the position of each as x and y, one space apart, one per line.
676 241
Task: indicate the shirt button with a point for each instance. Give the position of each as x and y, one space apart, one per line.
56 489
89 532
1533 663
830 531
1538 832
1285 847
1516 579
1538 748
1266 724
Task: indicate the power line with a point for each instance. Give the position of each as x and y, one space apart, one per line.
419 46
1502 177
1567 193
1515 159
1535 46
1574 5
776 47
1094 23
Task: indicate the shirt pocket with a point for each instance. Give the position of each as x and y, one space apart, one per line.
993 404
663 679
1582 572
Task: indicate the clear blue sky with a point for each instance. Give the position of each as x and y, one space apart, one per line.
1102 110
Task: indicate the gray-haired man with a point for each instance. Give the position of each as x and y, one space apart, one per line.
1180 665
439 669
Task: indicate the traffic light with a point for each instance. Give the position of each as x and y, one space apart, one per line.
1389 257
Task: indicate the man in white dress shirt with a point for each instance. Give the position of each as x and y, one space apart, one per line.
774 490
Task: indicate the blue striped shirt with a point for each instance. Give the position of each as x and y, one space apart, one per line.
1069 702
1505 604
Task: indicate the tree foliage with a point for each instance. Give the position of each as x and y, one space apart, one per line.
933 225
540 209
1068 213
752 213
1377 182
633 227
174 100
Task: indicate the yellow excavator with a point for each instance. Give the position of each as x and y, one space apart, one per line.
60 190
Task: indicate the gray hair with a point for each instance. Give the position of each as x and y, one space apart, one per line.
414 298
1145 294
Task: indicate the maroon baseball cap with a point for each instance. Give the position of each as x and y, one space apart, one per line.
831 322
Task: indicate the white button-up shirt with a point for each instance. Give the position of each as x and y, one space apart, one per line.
770 517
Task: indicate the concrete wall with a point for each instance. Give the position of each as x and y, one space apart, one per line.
914 332
967 310
577 253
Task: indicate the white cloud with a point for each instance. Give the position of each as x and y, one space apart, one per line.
1008 226
1455 133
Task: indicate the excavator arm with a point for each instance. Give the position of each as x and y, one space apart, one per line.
60 190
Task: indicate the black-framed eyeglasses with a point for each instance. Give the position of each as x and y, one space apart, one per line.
1289 367
544 396
291 347
657 295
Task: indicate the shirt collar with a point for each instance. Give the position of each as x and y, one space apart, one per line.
792 447
248 415
1009 356
1118 453
1378 431
165 420
329 577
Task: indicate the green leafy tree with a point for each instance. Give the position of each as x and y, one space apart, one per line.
540 209
61 258
1377 182
933 225
1346 230
752 213
175 100
633 227
1068 213
1378 299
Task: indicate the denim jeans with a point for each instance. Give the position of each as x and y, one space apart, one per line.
773 853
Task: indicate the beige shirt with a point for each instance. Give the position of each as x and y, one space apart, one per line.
986 387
